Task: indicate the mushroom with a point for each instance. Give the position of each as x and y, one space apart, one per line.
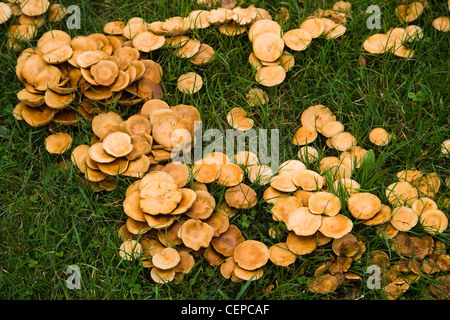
248 275
227 241
433 221
241 196
400 193
58 143
336 226
280 255
168 258
314 26
268 46
283 182
442 24
162 276
117 144
379 136
237 118
283 206
363 205
189 83
308 180
324 203
270 76
403 218
303 222
130 250
301 245
230 175
196 234
251 254
263 26
202 207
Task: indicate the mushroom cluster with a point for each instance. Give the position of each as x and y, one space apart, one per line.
130 147
411 197
335 271
394 41
29 16
90 72
418 257
169 223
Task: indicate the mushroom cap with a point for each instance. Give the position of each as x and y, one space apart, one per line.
58 143
227 268
335 32
428 185
188 197
148 41
308 180
445 147
263 26
198 19
343 141
171 131
381 217
284 205
348 186
189 83
272 195
297 39
34 7
332 128
204 55
268 46
404 218
376 43
244 16
151 106
434 221
237 118
179 171
308 154
105 72
186 263
162 276
399 193
117 144
132 208
364 205
301 245
442 24
251 254
303 222
98 153
241 196
280 255
270 76
283 183
130 250
314 26
304 135
324 284
106 123
168 258
116 167
196 234
219 221
379 136
227 241
323 202
78 156
5 12
260 174
203 205
423 204
248 275
205 172
336 226
37 116
230 175
246 158
232 29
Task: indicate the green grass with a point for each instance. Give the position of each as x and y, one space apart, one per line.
50 219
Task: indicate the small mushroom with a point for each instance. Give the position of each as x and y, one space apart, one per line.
241 196
251 254
196 234
324 203
303 222
58 143
364 205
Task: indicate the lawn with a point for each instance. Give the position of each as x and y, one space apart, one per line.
51 219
